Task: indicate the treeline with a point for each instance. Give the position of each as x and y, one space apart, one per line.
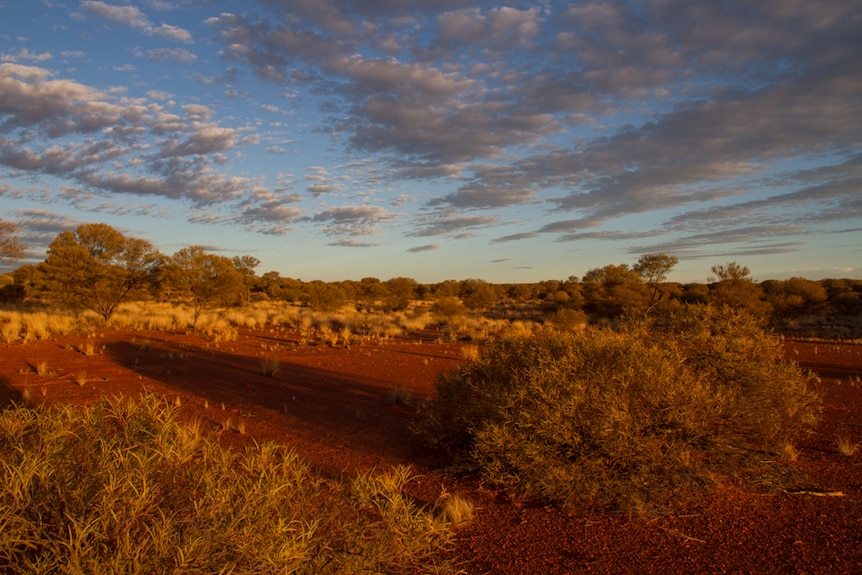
96 268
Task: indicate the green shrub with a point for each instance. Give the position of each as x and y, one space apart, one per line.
130 487
630 420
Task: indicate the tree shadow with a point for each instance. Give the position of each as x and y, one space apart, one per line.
335 421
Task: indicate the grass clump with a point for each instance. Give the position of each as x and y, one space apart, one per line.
270 366
846 446
127 486
631 419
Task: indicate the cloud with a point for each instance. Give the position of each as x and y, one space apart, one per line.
423 248
352 243
447 224
132 16
351 220
174 55
159 153
128 15
24 55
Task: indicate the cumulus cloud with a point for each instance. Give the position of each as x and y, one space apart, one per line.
24 55
128 146
134 17
351 220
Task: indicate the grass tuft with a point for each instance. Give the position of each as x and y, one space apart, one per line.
269 366
846 446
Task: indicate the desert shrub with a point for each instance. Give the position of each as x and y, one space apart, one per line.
126 486
569 319
632 419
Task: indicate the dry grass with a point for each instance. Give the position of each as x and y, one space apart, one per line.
43 369
454 509
789 451
846 446
270 366
156 495
400 395
470 352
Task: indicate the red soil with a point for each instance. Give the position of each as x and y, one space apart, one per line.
336 407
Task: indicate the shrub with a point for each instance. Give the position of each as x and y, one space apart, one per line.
629 420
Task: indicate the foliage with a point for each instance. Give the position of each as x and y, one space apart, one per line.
400 292
324 296
794 297
614 290
630 420
131 487
653 269
10 244
735 288
478 294
245 267
447 308
207 279
97 268
566 319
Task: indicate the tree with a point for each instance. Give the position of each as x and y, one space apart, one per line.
478 294
400 292
323 296
653 269
794 297
10 244
370 291
207 279
98 268
612 290
245 266
731 271
735 288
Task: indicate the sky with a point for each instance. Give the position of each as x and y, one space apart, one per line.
441 139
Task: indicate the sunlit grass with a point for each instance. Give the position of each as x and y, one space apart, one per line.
134 487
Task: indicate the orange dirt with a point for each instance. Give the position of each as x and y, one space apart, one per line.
337 408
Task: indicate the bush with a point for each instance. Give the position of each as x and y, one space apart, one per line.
629 420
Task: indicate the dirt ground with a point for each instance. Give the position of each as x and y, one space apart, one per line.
346 409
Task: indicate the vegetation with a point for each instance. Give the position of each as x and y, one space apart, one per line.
11 247
97 268
629 419
206 279
131 487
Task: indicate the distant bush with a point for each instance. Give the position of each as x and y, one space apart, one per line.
628 420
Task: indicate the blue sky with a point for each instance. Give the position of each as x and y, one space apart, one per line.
438 139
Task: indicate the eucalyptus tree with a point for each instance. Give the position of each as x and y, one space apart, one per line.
97 268
208 280
10 244
653 269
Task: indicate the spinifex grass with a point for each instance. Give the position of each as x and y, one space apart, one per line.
131 487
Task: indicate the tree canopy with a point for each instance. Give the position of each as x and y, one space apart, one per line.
10 245
208 279
97 267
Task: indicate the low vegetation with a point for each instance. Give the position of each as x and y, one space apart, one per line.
132 487
630 419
